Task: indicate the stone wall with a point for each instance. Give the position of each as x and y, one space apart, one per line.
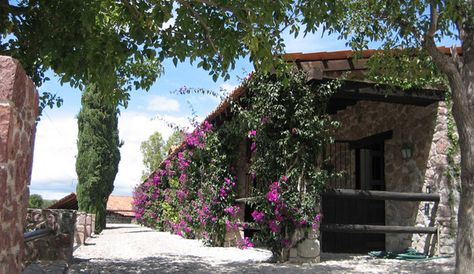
425 129
114 218
58 246
84 227
18 113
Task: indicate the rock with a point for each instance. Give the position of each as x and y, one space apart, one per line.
309 248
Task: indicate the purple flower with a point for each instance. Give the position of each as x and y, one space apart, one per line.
206 126
272 195
252 133
222 192
183 89
274 227
230 225
181 195
258 216
278 212
253 147
249 76
182 177
245 243
284 178
285 243
156 179
316 220
232 210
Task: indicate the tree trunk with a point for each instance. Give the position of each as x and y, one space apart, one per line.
463 112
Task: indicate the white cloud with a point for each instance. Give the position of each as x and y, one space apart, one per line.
134 128
55 150
312 42
54 173
161 103
227 88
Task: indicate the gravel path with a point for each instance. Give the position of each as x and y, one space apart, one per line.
135 249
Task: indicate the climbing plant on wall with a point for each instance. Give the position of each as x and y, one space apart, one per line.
284 121
289 130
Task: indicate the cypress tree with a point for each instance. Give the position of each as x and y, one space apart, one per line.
98 154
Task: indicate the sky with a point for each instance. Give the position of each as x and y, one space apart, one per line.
54 175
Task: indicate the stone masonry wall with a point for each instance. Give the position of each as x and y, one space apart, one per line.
58 246
84 227
18 113
425 129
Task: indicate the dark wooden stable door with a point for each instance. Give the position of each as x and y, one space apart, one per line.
338 210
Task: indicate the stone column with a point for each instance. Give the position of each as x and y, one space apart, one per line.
307 249
88 231
18 113
80 228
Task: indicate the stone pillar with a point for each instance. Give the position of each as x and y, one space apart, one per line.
18 113
88 231
80 229
307 249
93 223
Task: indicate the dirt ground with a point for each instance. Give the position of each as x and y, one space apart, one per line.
135 249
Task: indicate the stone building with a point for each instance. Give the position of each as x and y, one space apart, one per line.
120 209
392 147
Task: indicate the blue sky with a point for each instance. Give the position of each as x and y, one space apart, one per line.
54 160
55 148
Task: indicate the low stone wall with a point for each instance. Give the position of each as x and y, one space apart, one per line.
58 246
84 227
114 218
18 112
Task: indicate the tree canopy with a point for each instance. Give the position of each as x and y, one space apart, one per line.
119 45
35 201
175 139
154 150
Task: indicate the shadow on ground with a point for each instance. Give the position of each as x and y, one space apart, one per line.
186 264
196 265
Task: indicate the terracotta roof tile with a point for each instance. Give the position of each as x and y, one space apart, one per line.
121 205
67 202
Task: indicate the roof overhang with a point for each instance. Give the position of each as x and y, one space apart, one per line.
352 91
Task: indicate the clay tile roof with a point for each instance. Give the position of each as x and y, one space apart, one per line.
67 202
345 54
121 205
